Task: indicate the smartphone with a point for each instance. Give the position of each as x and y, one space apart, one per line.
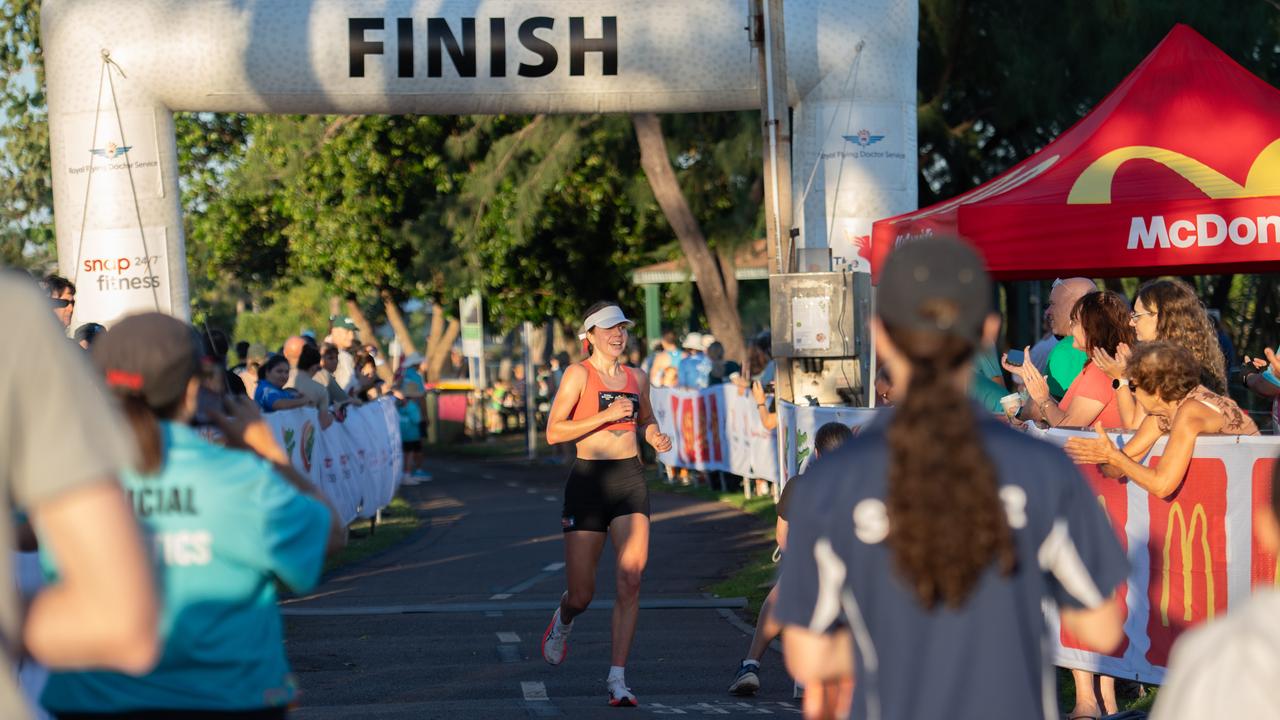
769 389
1016 357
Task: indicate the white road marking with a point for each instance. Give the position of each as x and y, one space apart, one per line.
500 596
508 637
553 567
512 483
534 691
550 498
532 491
488 476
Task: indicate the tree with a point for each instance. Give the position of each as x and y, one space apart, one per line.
26 220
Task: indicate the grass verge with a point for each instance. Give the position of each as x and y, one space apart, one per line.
507 446
399 520
753 580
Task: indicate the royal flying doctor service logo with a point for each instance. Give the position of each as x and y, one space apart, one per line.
864 138
112 151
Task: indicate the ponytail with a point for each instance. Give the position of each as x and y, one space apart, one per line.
146 432
947 522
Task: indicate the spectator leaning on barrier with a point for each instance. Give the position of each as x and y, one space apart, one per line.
270 393
227 525
1165 379
1065 362
304 383
667 357
1262 376
329 359
343 334
1099 324
935 564
64 447
62 295
1229 668
829 438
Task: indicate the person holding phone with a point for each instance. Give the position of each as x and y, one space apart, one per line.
226 525
1099 321
603 408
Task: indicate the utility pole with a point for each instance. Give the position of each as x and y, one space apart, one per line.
769 40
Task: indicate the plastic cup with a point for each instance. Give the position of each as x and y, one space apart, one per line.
1011 404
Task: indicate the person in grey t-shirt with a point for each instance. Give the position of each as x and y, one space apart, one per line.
63 447
921 553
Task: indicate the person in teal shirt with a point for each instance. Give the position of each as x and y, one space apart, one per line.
225 526
988 380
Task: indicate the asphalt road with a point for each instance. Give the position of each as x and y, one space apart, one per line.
448 624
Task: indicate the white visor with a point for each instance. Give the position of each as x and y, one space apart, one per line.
606 317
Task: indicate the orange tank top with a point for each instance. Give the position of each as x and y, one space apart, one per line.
596 397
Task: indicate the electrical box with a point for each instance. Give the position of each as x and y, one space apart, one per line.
818 315
820 325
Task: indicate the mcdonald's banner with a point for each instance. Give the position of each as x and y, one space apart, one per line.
355 463
1178 168
717 428
1193 555
799 424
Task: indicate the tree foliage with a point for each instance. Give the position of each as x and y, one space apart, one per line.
26 220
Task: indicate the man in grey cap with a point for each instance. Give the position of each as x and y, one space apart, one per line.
344 335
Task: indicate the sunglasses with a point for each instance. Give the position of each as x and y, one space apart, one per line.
59 303
1136 315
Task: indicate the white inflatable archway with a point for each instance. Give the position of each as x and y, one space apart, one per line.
118 69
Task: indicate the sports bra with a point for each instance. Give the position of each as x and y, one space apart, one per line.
596 397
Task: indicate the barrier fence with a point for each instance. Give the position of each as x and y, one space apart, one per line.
1193 555
357 463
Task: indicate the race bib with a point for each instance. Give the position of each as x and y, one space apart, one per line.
607 397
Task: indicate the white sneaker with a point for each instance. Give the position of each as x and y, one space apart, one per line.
619 694
410 480
747 680
555 641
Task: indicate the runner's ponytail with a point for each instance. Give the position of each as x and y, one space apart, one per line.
946 519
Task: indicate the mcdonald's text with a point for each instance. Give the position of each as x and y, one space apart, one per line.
1204 230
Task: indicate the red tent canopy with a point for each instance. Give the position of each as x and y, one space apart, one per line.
1176 171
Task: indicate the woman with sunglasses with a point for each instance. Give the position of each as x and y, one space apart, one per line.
1166 309
1165 379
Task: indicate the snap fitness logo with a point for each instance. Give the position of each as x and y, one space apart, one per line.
1093 187
117 274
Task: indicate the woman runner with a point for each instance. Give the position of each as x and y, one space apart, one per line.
600 406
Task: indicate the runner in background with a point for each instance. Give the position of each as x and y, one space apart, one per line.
933 566
829 438
603 407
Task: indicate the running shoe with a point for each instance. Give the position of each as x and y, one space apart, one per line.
555 641
747 681
421 475
620 695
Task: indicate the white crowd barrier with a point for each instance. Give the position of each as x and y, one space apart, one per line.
717 428
1193 555
356 463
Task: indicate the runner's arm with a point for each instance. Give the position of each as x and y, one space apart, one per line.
560 429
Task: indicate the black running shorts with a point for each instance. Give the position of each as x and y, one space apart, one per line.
600 490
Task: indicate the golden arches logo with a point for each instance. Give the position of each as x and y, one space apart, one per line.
1093 187
1185 537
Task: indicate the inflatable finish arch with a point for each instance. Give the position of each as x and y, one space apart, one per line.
118 69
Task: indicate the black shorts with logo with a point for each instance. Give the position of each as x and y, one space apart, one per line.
600 490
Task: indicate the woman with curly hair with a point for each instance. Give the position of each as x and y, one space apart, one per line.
924 548
1167 309
1165 378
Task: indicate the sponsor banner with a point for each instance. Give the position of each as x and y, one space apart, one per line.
717 428
799 424
120 165
355 463
121 272
1193 555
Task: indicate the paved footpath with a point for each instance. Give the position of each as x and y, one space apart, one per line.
448 624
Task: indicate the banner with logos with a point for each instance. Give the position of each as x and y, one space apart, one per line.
356 462
718 428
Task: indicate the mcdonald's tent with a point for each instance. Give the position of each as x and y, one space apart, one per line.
1176 171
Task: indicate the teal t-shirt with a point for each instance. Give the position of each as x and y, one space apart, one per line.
410 421
1064 365
984 390
223 526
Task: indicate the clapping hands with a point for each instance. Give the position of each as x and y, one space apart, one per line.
1037 386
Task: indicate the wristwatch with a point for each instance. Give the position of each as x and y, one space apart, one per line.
1118 383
